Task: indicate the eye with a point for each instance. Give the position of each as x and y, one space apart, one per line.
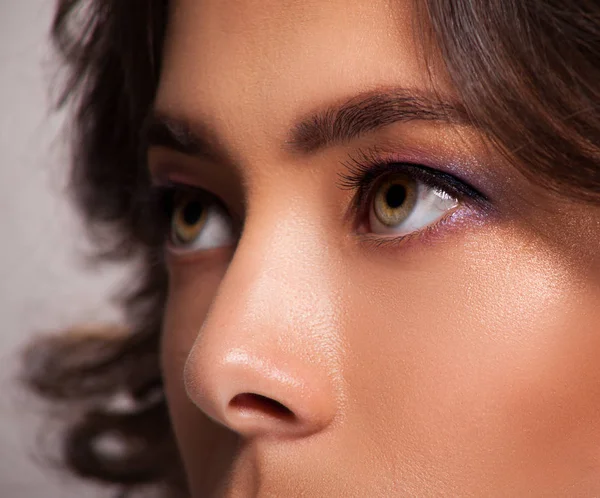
402 204
394 199
199 222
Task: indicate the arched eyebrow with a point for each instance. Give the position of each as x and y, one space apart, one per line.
367 112
322 128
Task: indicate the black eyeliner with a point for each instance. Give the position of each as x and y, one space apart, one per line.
364 172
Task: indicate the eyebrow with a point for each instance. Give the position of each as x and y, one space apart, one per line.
335 124
365 113
180 135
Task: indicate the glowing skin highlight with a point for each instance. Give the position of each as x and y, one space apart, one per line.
313 357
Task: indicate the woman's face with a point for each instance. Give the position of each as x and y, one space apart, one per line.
377 304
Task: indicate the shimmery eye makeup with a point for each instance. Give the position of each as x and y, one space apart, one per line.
366 166
431 195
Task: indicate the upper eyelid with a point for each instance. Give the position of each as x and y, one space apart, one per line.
458 165
368 160
364 176
175 188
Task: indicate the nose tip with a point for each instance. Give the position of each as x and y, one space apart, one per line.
258 400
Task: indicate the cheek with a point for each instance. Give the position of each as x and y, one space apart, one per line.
479 355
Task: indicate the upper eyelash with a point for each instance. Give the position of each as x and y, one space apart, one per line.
365 168
164 195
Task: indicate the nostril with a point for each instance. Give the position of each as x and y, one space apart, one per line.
251 402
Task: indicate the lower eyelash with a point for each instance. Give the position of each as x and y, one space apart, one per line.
427 234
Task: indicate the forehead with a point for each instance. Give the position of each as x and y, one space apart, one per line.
253 65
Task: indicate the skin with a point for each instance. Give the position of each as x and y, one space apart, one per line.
460 361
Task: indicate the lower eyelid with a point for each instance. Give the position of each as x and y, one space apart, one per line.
452 223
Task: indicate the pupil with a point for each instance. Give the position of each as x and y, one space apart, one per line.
395 196
192 213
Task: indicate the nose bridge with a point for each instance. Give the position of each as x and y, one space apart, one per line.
265 360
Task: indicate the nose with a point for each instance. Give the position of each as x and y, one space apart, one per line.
264 362
255 396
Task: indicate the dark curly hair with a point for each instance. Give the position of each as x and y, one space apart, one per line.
528 73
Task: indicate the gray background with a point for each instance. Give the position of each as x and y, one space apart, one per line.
45 284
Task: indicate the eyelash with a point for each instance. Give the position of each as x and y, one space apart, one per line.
363 172
367 168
